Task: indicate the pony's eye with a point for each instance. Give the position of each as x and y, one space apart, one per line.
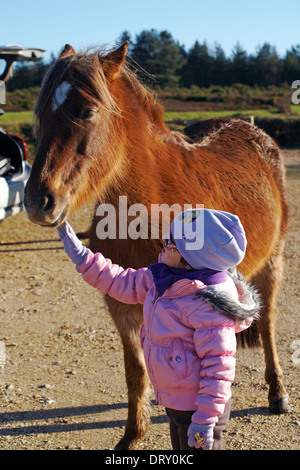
88 113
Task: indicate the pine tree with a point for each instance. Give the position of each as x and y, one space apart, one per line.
198 70
158 54
239 67
265 66
291 65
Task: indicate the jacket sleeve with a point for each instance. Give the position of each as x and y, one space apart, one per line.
216 346
129 286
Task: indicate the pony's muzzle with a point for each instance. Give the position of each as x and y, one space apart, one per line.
45 208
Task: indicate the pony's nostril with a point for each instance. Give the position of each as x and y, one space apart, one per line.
47 203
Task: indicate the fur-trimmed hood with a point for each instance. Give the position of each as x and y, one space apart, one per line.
244 307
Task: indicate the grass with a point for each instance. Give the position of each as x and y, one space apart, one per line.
26 117
295 109
171 116
16 117
293 172
20 122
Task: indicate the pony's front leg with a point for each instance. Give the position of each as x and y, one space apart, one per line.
128 319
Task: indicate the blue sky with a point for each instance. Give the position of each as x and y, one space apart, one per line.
50 24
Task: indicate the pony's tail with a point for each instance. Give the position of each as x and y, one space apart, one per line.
249 338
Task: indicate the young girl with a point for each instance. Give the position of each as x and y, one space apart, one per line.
193 306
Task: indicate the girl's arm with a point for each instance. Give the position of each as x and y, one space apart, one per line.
128 286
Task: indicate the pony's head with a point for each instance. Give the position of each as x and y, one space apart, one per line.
77 118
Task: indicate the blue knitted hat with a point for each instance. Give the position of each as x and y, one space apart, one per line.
208 238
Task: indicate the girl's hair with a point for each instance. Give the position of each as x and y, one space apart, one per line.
183 261
187 266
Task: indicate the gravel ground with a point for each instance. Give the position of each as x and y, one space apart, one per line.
61 367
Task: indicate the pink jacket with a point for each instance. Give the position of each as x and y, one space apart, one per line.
189 345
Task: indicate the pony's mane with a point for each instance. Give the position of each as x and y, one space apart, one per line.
147 99
84 72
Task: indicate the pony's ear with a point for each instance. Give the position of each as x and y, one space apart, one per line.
113 62
67 50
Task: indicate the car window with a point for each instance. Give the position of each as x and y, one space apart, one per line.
2 66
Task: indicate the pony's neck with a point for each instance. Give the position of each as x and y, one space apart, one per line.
142 101
150 151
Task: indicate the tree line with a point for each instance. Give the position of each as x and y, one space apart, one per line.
165 63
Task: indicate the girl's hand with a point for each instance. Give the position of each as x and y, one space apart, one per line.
201 436
72 245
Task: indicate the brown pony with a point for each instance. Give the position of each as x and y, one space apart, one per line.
102 134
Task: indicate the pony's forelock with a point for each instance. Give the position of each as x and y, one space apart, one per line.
82 71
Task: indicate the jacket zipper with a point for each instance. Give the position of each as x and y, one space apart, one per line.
156 297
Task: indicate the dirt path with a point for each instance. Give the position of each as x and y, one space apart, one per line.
62 384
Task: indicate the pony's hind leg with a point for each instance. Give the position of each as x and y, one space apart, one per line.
128 319
267 282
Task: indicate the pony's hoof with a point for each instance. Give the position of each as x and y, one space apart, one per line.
279 405
127 443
